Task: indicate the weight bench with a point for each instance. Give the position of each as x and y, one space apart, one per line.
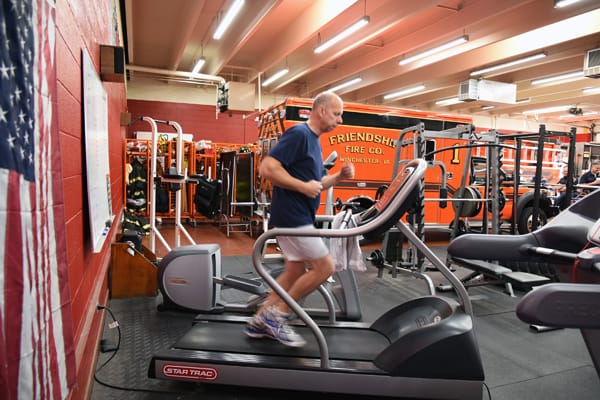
497 274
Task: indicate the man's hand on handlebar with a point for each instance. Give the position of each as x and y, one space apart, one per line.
347 171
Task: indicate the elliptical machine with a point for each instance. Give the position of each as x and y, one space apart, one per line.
190 279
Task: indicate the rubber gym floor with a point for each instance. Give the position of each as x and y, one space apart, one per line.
519 362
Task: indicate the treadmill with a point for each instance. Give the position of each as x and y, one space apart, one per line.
422 348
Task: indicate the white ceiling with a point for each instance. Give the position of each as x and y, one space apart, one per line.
268 35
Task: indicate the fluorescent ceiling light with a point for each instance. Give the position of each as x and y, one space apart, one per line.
564 3
447 102
508 64
591 90
404 92
547 110
556 78
198 66
342 35
487 107
345 84
228 19
437 49
275 76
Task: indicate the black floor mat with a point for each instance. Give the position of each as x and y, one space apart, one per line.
518 363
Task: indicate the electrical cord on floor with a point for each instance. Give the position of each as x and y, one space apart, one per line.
106 348
487 388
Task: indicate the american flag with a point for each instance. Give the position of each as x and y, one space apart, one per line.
37 358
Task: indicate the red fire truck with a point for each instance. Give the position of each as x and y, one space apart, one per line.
459 163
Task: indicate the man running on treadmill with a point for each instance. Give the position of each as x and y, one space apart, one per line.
295 168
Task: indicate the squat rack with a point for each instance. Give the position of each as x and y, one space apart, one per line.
179 177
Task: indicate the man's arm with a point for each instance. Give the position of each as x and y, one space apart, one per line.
589 179
346 172
270 168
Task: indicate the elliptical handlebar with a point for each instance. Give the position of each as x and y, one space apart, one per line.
588 259
330 160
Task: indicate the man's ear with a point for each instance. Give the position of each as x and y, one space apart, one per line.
321 110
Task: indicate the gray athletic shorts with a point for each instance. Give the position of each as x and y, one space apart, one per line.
302 248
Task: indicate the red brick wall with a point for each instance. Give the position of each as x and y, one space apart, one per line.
85 25
200 120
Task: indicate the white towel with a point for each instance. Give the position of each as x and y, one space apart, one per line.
346 251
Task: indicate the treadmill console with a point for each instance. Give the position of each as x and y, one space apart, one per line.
397 186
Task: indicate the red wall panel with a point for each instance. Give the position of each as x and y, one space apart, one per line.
200 120
72 165
117 101
69 115
73 197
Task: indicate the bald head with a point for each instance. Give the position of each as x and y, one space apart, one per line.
325 98
326 112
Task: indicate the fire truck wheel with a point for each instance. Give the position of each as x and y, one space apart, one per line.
525 220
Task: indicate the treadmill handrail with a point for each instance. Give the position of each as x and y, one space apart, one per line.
418 167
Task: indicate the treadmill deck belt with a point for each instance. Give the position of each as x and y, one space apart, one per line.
358 344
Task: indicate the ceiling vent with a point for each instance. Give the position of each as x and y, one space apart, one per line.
468 90
591 64
488 91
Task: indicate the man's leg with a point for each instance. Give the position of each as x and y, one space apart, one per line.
305 284
273 322
290 274
270 320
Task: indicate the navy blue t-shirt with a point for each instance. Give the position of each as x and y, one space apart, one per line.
299 151
588 177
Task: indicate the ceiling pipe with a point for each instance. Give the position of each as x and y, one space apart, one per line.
181 74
